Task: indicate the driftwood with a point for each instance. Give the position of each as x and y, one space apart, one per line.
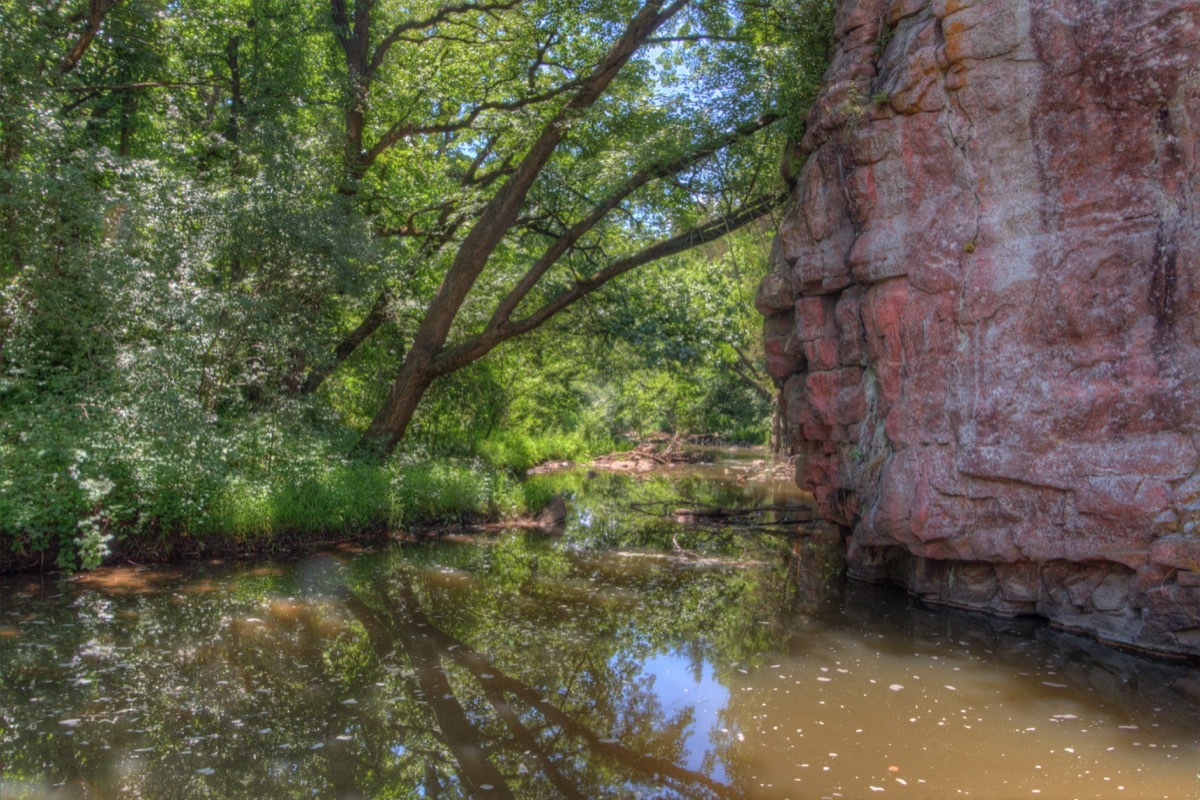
647 456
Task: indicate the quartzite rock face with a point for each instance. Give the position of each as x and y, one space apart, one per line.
985 314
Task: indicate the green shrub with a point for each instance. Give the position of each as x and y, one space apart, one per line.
519 451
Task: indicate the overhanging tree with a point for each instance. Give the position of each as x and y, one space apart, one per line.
445 176
563 152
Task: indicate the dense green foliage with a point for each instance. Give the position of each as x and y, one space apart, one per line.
226 226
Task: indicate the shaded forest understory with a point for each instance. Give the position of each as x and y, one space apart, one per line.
274 270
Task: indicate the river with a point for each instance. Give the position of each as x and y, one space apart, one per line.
636 654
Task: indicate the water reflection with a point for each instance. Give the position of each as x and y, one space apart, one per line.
631 657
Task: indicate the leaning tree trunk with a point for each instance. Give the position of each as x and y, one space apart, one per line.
391 422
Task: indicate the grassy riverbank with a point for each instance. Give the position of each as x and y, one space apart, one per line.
69 509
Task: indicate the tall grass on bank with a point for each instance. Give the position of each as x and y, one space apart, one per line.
519 451
69 500
347 499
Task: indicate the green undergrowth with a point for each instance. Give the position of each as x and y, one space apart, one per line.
69 498
351 498
520 452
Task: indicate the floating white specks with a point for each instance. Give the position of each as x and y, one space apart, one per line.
951 688
70 723
876 788
609 741
317 746
824 679
1054 685
901 781
487 787
896 687
205 771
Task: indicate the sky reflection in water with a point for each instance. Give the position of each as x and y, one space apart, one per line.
628 658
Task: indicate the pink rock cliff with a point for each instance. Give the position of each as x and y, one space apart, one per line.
984 317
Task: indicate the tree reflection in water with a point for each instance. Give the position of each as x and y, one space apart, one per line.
507 666
564 741
627 657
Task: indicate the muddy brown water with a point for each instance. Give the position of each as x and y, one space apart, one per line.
634 656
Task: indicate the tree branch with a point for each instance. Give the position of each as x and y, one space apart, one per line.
475 347
695 38
441 15
494 221
405 130
601 209
133 87
749 375
375 317
97 11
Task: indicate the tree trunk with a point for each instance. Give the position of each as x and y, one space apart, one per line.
237 103
128 109
10 152
429 358
390 424
97 10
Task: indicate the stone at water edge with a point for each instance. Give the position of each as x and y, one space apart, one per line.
554 515
991 365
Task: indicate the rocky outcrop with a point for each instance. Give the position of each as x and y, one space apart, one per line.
984 317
